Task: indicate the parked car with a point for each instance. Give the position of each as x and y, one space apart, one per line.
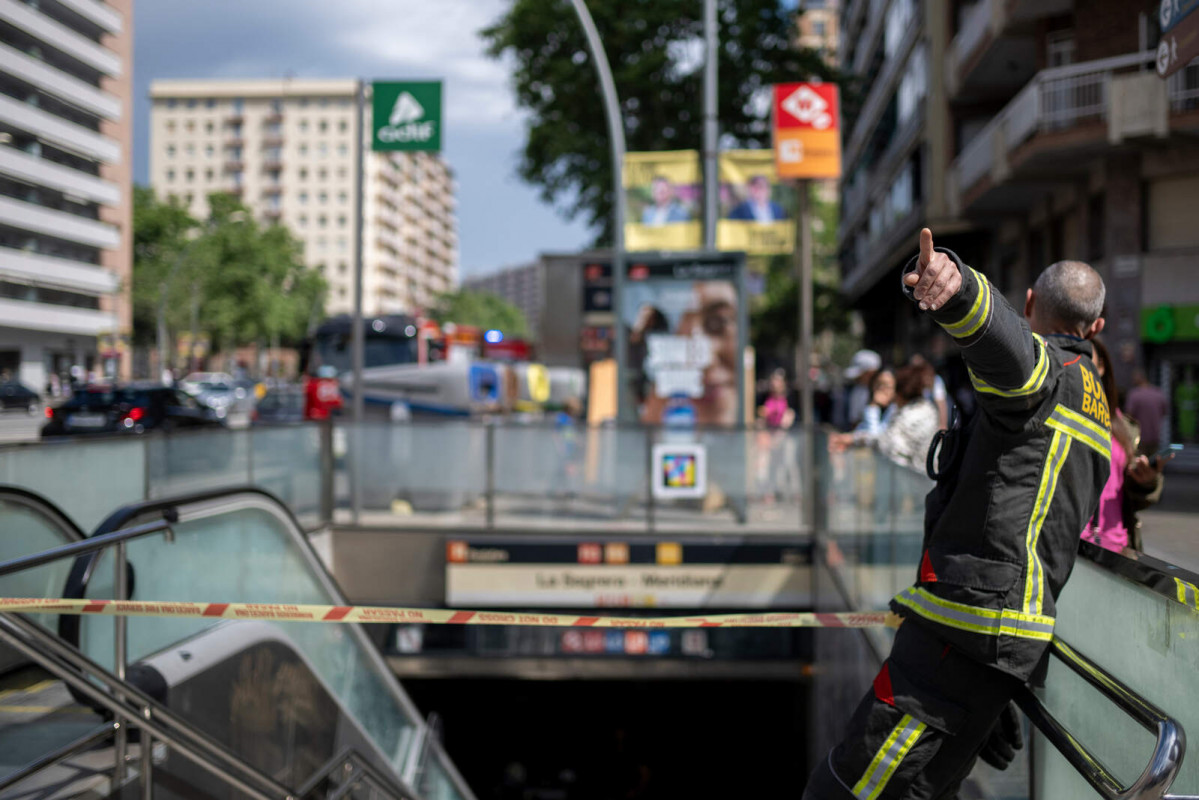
132 408
14 394
281 405
195 382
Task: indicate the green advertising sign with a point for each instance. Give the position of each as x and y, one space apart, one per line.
406 115
1161 324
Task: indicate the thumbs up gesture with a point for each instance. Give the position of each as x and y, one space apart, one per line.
936 278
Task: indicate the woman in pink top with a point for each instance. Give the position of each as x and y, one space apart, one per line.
1134 483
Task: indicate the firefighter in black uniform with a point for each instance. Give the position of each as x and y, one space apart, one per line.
1016 489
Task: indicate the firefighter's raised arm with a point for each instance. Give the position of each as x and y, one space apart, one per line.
1007 361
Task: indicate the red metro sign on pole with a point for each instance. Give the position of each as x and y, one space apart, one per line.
807 130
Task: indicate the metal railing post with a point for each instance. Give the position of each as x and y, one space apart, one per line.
119 632
250 456
327 471
489 455
650 510
147 758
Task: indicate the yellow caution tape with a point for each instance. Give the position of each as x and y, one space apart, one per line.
285 612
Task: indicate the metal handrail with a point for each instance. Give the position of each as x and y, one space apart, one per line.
85 546
54 756
353 759
1168 752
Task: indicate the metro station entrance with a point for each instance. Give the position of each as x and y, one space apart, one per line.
612 740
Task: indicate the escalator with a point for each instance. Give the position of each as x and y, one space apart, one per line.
212 708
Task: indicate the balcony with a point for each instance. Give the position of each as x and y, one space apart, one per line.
882 89
56 319
59 132
234 165
59 224
59 84
39 171
270 163
993 52
98 13
59 273
272 140
1063 115
25 17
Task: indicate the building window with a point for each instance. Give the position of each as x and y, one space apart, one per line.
190 175
323 198
342 197
303 220
303 126
303 150
210 103
343 149
343 126
322 173
190 149
341 221
239 105
208 174
170 126
322 221
209 151
303 196
341 244
191 103
171 103
189 126
341 173
276 105
170 151
323 126
323 149
170 175
820 28
303 174
1059 48
208 127
303 102
342 267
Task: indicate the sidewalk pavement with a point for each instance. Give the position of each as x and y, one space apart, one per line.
1171 528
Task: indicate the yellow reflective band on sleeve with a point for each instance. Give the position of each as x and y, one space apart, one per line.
888 758
1082 429
1188 594
978 313
985 621
1034 583
1034 383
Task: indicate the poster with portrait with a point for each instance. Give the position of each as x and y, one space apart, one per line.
757 213
685 329
663 200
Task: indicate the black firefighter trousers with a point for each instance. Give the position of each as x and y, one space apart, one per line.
917 732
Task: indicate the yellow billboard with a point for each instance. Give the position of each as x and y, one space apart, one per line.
663 200
757 213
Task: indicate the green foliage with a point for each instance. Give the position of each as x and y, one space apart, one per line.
248 283
774 321
482 310
567 150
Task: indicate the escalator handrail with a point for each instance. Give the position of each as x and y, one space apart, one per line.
45 507
1168 752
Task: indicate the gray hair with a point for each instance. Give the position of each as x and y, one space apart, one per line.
1072 293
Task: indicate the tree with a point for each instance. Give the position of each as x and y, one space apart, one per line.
481 310
653 47
239 282
774 322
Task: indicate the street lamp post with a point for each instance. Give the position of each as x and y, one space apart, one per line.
616 138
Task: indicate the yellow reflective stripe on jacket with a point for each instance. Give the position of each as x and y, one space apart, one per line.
1081 429
888 758
1034 581
1188 593
985 621
1034 383
978 313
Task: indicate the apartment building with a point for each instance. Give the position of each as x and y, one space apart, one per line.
1040 131
520 286
820 25
286 148
65 179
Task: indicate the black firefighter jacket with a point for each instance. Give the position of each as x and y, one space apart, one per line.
1018 484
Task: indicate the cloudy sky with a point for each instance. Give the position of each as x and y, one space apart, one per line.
501 221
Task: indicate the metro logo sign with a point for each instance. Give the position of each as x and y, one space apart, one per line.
807 130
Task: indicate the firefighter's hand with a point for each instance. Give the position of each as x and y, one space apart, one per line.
936 278
1005 739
